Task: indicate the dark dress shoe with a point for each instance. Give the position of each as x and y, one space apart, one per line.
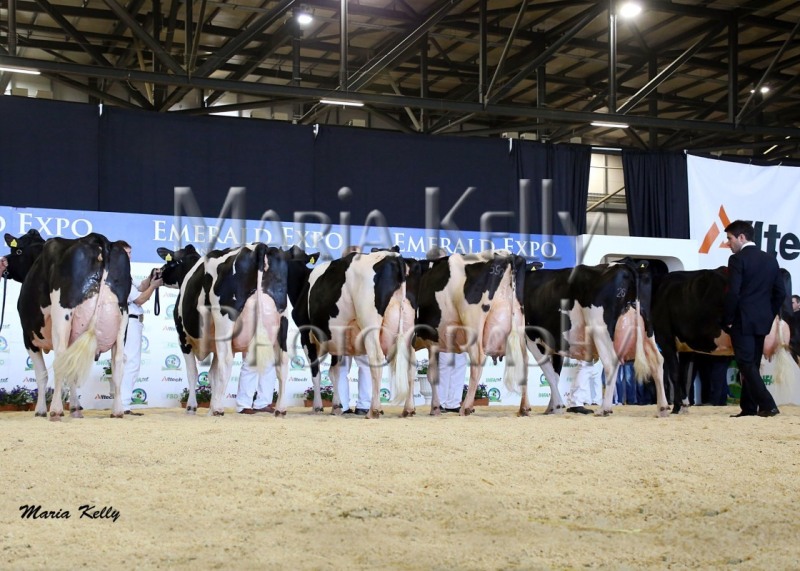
456 409
247 411
580 410
269 408
130 412
348 411
743 414
768 413
362 411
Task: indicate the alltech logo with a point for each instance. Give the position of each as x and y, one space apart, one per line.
766 236
716 229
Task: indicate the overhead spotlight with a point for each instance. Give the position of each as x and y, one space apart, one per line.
303 16
763 89
609 125
630 9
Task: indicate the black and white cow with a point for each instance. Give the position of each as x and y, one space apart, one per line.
474 304
687 318
73 301
359 305
590 312
230 301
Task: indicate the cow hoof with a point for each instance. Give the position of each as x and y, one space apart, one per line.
407 413
603 412
318 410
280 414
374 413
120 415
684 410
436 411
663 412
466 411
56 417
42 414
76 413
524 412
218 413
338 410
191 410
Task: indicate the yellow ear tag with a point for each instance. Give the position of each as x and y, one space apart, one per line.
13 243
168 257
312 260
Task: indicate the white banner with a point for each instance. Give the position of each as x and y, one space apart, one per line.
768 197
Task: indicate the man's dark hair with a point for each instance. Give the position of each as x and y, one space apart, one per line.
741 227
796 298
124 244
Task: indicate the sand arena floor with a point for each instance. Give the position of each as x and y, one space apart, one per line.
492 491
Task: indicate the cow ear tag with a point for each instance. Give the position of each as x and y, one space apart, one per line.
312 260
168 257
13 243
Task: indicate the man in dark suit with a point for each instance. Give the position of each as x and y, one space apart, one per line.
754 298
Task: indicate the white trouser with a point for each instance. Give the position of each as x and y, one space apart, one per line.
597 382
452 375
133 360
580 391
250 381
364 382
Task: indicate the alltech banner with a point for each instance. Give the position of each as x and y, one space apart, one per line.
163 375
768 197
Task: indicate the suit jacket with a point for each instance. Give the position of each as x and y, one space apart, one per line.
755 291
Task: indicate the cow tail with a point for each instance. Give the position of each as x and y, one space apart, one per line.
400 381
264 351
641 366
784 364
512 377
76 362
516 369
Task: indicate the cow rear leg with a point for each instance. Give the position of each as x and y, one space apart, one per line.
433 381
41 382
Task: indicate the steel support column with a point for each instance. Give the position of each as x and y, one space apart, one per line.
343 35
482 51
612 56
733 65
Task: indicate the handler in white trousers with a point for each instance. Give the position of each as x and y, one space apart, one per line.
251 382
576 381
140 293
452 375
364 399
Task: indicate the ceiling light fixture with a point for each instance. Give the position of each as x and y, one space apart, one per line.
304 18
772 148
630 9
20 70
609 125
342 102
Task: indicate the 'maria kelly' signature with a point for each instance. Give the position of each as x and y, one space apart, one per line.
86 511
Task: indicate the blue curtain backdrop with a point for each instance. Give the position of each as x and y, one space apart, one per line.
144 156
70 156
390 172
657 192
48 154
